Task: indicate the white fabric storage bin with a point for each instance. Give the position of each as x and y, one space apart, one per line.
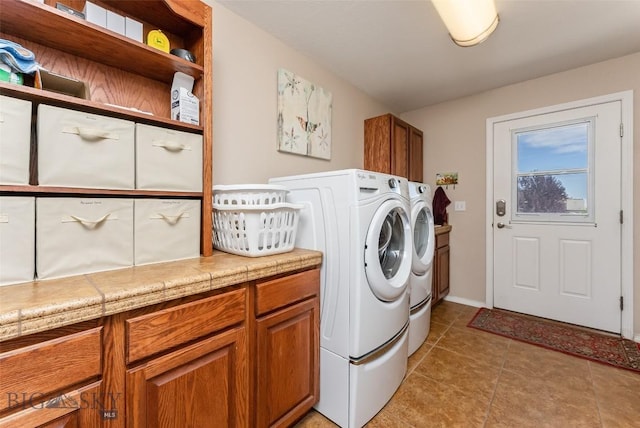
166 229
17 239
15 140
77 149
82 235
167 159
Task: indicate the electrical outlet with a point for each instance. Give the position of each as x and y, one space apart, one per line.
460 206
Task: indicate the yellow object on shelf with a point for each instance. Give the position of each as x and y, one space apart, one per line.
158 40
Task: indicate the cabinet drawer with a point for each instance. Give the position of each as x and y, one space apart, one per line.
32 372
274 294
165 329
442 240
80 149
167 159
15 140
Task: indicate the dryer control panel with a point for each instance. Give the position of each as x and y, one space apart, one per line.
376 183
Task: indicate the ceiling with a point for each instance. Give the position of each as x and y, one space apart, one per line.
399 52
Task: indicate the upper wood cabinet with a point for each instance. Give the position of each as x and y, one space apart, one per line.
393 146
126 79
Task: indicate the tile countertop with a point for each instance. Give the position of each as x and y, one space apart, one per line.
44 305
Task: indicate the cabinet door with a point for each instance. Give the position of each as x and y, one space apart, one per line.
400 148
287 363
202 385
435 298
442 261
415 155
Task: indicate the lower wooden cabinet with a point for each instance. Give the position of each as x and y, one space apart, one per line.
440 276
287 357
201 385
78 408
51 379
241 357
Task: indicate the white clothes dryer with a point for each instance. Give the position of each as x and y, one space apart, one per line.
360 221
422 227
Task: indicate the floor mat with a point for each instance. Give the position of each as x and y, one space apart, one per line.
567 338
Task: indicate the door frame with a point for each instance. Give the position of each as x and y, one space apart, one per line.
626 171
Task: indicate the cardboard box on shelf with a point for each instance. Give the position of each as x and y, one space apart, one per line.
115 22
133 29
185 107
53 82
95 14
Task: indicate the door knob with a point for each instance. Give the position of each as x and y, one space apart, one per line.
502 226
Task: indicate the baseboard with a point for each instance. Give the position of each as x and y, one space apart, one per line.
637 338
463 301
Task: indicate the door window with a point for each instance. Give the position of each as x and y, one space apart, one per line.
553 173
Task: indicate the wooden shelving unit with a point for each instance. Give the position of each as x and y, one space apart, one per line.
126 79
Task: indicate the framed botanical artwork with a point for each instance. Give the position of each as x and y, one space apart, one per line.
304 117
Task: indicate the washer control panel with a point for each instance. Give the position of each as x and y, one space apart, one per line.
375 183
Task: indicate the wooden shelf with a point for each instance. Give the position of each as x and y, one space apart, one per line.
52 28
178 17
66 101
75 191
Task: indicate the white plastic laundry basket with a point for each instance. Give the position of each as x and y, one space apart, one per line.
249 194
255 230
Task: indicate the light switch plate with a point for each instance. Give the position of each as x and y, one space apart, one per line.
460 206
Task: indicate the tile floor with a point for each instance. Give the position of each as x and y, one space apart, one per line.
463 377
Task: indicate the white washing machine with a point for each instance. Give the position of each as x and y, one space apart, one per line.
422 227
360 221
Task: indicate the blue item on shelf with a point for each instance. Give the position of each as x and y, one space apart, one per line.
20 59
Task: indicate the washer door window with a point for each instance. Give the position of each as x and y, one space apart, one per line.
423 237
388 251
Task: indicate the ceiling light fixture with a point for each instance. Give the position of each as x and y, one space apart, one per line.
469 21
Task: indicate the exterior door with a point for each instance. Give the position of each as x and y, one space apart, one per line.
556 216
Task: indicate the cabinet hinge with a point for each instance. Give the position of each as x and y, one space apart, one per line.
621 303
621 217
621 130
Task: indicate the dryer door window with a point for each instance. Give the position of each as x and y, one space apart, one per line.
423 238
388 251
390 244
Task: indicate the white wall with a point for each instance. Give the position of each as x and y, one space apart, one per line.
245 64
454 135
246 60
